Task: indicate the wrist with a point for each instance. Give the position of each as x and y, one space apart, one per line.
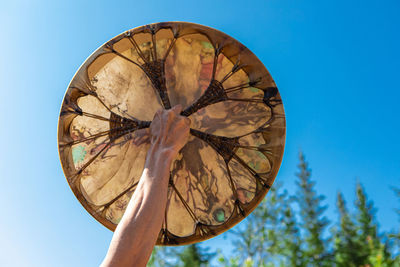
161 151
158 160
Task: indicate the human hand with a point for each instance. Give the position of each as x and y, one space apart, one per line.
169 130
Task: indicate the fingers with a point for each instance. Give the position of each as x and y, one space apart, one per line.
187 121
166 121
177 109
141 133
169 129
141 136
172 113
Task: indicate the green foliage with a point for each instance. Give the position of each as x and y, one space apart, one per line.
289 231
194 256
396 235
259 239
366 225
187 256
379 256
313 222
346 246
159 257
372 247
291 241
231 262
356 241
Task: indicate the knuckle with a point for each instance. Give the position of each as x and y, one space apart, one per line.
158 114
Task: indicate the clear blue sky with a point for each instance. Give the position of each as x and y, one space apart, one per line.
336 64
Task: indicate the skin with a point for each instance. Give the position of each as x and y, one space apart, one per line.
137 232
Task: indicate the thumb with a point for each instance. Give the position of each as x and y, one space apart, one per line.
177 109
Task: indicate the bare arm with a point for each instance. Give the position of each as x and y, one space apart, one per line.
137 232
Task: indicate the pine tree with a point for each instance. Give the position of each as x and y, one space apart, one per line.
269 225
395 236
380 256
246 239
259 240
366 226
346 245
292 241
312 220
372 250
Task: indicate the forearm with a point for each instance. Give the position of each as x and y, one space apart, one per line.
137 232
